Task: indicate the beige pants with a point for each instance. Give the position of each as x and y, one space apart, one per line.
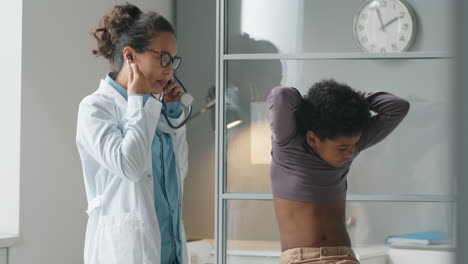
319 255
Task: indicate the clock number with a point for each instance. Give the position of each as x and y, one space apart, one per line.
402 14
364 16
405 26
361 27
383 50
372 47
364 39
394 47
402 38
383 3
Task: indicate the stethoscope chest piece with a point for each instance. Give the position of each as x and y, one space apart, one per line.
186 99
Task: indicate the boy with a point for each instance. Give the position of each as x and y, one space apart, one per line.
314 142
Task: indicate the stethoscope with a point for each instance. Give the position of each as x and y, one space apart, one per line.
186 99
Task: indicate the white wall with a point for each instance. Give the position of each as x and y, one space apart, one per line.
58 70
10 72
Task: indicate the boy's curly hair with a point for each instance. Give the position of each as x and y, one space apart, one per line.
332 109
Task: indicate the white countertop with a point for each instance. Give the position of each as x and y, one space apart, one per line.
7 240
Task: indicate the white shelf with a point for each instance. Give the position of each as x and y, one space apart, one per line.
340 56
7 240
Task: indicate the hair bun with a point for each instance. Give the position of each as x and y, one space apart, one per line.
122 17
111 26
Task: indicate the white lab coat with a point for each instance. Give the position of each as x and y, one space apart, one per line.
114 140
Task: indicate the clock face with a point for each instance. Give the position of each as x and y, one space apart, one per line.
384 26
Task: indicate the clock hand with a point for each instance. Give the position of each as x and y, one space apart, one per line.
380 18
390 22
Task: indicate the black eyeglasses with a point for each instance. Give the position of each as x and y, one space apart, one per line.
166 58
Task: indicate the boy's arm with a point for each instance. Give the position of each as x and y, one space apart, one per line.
282 102
390 111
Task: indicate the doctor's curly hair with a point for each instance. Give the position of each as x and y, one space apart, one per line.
127 25
331 109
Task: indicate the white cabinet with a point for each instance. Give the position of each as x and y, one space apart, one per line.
3 256
372 254
410 256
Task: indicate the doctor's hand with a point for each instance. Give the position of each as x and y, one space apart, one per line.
137 83
171 92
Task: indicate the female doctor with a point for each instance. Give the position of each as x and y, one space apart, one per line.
134 163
